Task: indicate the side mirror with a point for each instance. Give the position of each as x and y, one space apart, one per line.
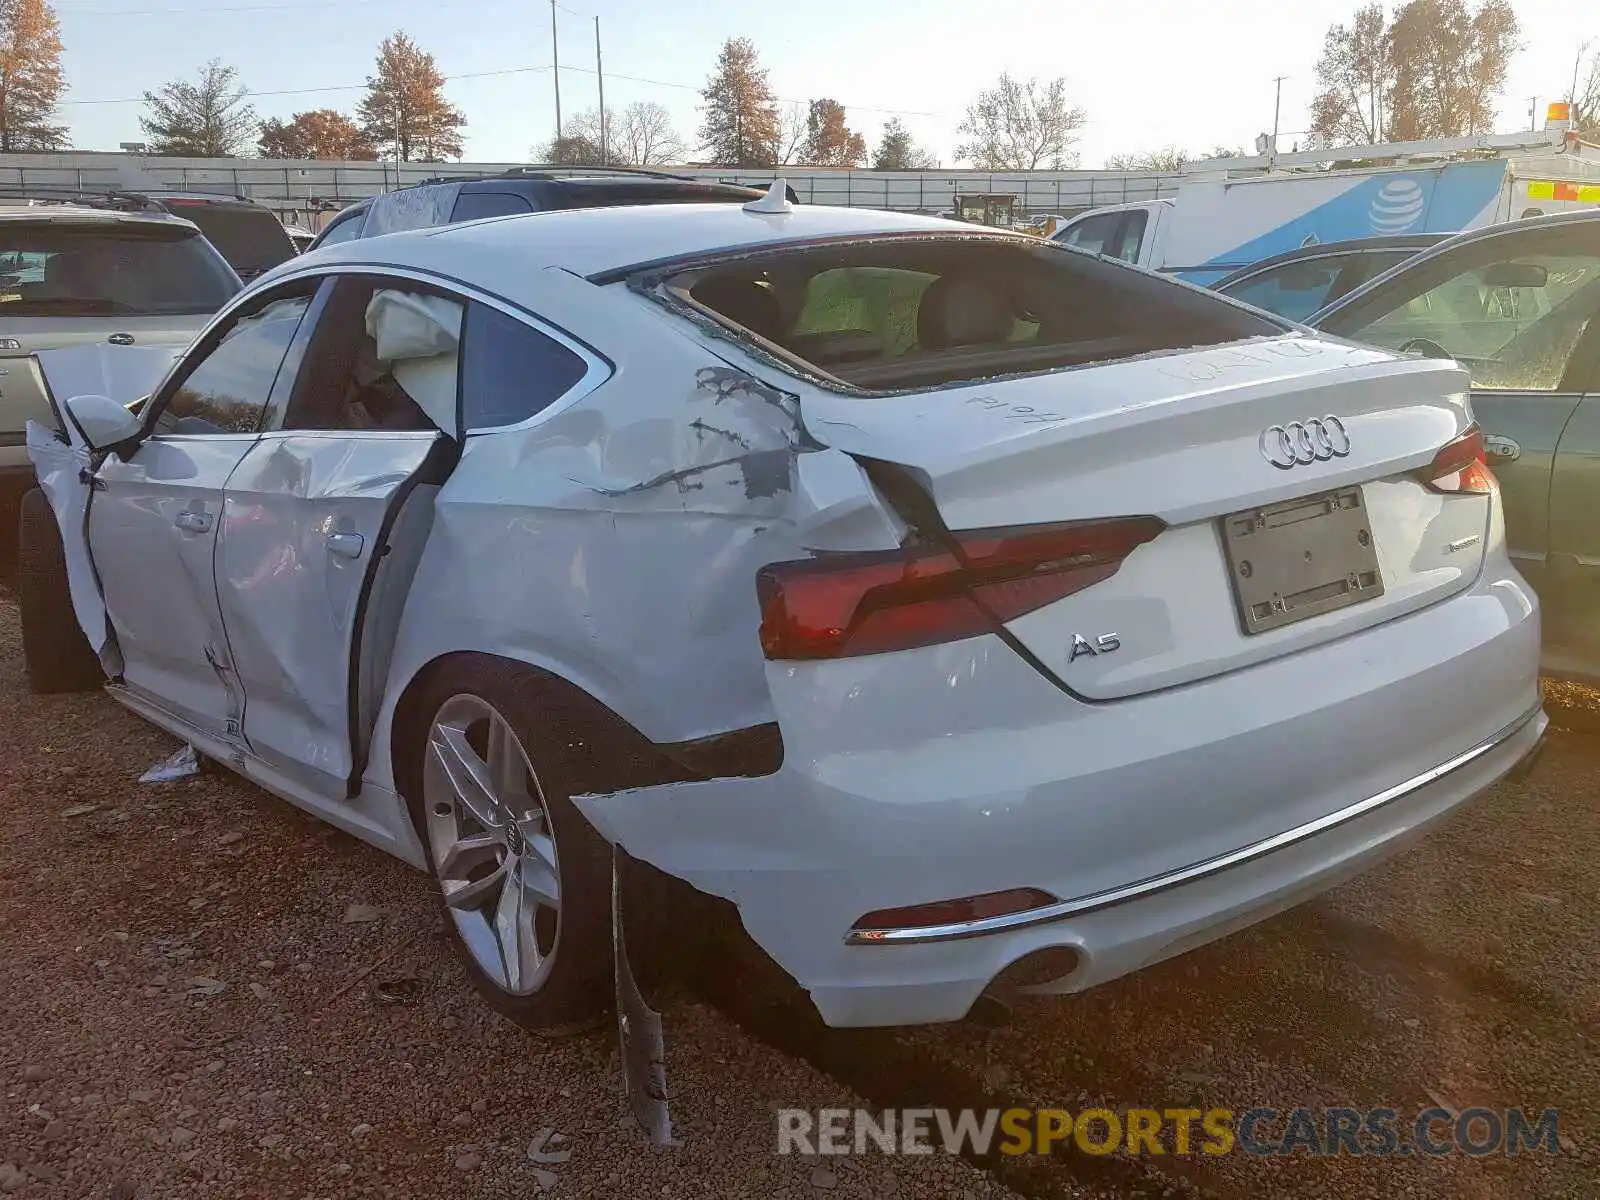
102 421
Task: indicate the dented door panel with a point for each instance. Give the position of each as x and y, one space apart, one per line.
306 519
152 532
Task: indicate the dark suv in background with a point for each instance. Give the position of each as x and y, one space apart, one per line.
249 236
523 190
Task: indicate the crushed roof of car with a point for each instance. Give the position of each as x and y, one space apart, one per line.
594 241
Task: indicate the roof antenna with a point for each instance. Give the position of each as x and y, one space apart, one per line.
775 201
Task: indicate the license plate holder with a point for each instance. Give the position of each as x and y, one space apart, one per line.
1301 558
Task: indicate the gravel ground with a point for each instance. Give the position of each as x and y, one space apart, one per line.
210 994
189 1013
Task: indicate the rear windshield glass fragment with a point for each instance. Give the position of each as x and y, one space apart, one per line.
900 313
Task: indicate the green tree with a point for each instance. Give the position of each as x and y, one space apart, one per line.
739 124
897 151
205 119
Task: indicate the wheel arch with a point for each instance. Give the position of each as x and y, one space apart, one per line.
637 761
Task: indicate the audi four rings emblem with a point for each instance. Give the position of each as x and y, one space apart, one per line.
1301 443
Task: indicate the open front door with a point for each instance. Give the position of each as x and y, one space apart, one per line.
324 522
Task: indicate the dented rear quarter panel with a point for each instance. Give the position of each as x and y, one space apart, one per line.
615 542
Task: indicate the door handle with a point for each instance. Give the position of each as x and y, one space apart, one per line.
1501 447
193 522
346 545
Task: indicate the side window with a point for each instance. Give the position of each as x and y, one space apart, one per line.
474 206
1513 322
1091 233
384 355
344 229
1294 289
225 390
1130 236
512 371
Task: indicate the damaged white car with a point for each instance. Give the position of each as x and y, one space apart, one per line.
967 611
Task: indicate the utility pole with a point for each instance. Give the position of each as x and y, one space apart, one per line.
1277 105
555 66
600 78
1533 114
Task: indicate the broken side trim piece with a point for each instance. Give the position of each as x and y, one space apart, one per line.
641 1048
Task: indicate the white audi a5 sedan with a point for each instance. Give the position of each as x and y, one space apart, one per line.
966 611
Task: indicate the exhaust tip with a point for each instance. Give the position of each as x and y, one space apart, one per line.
1048 965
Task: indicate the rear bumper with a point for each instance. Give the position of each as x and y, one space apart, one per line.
1158 823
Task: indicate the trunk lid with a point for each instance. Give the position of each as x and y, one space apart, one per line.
1343 542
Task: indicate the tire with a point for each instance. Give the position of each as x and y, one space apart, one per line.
57 655
564 739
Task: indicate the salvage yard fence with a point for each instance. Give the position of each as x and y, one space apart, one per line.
308 193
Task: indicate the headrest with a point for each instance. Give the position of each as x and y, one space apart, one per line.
961 311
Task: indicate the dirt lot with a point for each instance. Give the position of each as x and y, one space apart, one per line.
208 994
124 907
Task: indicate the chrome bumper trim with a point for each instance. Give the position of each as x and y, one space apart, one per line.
1159 883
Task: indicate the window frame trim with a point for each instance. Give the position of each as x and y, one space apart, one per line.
205 343
599 370
657 281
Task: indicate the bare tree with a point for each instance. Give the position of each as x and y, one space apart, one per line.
1354 78
1168 158
1585 95
644 137
1017 126
897 151
579 143
789 134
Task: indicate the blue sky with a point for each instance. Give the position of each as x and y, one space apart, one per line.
1148 72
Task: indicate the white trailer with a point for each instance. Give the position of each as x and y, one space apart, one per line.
1231 213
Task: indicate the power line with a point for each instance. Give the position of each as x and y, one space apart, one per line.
356 87
335 87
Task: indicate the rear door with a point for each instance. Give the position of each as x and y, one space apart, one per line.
1516 310
326 517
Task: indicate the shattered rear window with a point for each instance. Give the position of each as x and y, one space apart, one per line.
898 313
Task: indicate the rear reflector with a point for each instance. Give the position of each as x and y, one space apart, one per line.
878 925
1461 466
877 601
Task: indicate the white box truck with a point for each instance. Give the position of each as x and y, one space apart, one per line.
1229 213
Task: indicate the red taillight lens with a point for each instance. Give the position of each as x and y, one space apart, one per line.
1461 466
950 912
868 603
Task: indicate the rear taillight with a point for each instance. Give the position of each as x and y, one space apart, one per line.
869 603
1461 466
